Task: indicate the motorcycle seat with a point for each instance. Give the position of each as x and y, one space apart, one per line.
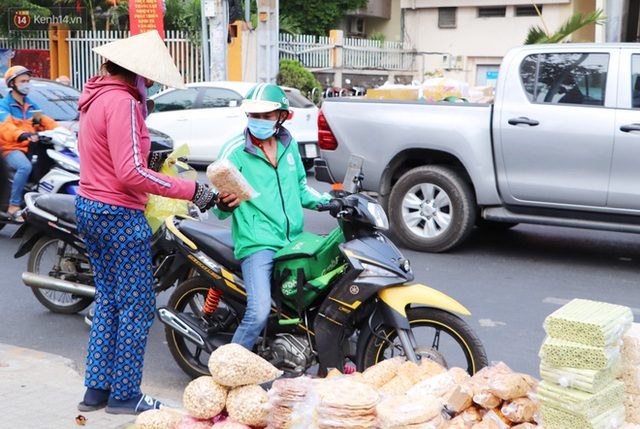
212 240
61 205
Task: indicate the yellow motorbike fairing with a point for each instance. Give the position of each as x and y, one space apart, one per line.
399 297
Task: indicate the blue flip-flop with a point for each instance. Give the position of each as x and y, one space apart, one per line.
83 406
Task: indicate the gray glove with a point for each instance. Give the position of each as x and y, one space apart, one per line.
204 198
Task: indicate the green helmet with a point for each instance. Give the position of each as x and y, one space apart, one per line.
265 97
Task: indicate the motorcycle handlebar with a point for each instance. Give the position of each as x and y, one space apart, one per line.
335 207
333 204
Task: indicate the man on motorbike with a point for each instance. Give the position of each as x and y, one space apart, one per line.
18 129
268 157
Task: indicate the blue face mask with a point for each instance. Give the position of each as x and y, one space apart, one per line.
261 128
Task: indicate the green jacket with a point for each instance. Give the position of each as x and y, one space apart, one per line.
274 218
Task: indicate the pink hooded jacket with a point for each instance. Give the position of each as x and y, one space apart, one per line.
114 146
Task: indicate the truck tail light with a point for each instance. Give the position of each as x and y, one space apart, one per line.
326 139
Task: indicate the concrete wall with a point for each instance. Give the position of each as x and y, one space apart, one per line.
479 41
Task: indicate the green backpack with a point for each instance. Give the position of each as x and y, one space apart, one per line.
305 266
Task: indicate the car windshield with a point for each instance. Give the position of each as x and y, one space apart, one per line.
57 101
297 100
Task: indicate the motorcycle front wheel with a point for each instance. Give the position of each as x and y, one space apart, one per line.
44 260
440 336
189 298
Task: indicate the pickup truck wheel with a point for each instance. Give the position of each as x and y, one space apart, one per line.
432 209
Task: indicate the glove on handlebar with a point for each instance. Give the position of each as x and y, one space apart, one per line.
204 198
26 136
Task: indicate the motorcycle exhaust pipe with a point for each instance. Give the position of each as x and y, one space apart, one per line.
45 282
187 326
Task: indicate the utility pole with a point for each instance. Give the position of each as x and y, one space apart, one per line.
268 30
215 28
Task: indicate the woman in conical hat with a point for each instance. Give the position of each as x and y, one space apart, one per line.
115 180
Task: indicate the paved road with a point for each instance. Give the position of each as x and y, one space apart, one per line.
509 281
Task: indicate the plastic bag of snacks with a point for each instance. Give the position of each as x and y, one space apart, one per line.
204 398
232 365
164 418
248 405
159 208
226 177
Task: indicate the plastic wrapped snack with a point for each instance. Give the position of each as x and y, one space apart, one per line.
631 345
204 398
520 410
593 323
248 405
407 410
232 365
225 177
511 386
382 372
164 418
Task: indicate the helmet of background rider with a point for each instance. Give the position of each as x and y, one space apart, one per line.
14 72
146 55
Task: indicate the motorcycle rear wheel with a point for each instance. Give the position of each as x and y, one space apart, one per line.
189 297
43 260
440 336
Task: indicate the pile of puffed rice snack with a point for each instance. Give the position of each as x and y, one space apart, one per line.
229 398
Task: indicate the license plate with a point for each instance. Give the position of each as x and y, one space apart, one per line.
311 150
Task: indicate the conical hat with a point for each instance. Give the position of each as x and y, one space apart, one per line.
146 55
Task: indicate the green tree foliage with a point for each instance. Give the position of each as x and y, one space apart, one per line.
291 73
577 21
6 5
182 15
317 17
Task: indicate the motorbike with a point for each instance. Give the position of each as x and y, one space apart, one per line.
56 165
362 309
58 269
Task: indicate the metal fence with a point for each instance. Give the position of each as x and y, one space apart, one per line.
314 53
85 63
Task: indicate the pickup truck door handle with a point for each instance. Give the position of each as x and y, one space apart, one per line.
631 127
523 120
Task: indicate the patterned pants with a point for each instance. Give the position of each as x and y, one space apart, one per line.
118 245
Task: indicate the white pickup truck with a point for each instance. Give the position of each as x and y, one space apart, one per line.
559 146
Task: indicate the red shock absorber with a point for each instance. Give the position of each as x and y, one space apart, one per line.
211 303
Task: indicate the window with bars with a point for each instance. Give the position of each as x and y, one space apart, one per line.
492 12
527 10
447 17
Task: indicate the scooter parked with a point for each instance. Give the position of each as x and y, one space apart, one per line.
58 269
56 165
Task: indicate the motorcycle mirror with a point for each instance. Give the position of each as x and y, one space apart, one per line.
353 175
150 105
